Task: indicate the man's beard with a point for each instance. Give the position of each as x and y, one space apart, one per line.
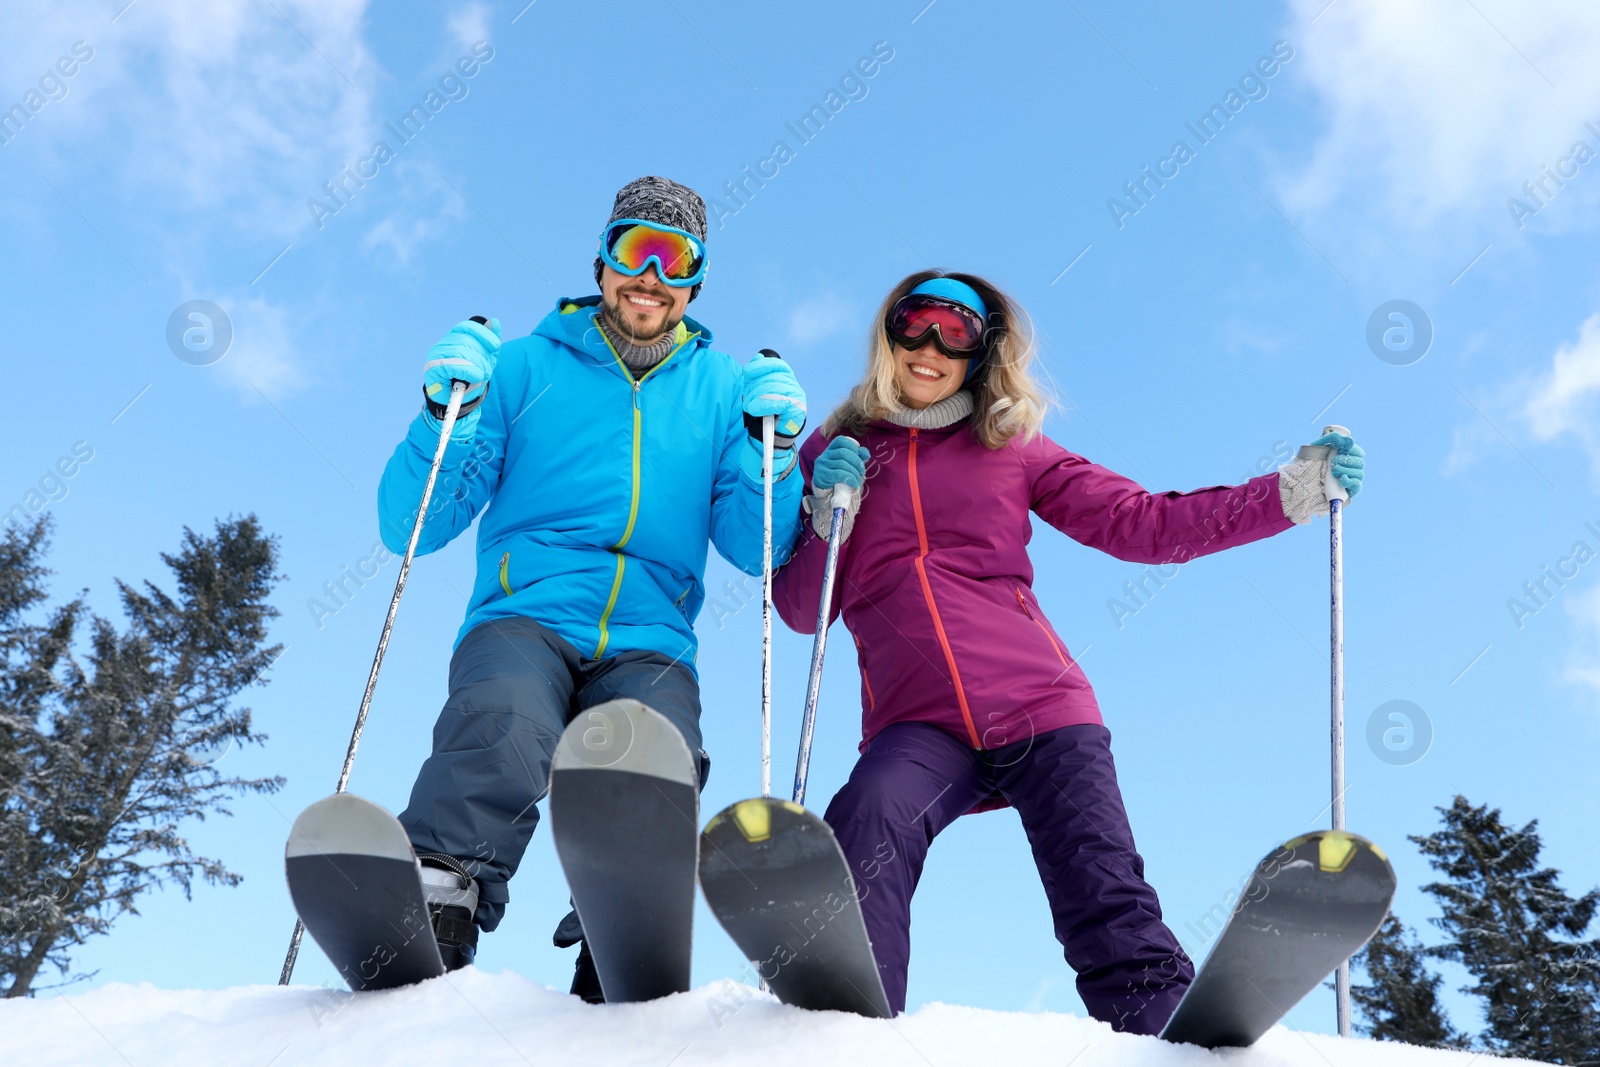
617 318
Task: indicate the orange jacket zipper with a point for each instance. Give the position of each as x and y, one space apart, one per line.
1023 604
927 593
872 702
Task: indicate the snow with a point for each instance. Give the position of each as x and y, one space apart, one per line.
487 1019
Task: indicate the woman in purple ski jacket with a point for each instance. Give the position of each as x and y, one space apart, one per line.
969 697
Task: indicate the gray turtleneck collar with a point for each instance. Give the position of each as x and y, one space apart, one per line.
639 358
947 412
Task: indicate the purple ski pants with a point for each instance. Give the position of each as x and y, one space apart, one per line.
915 779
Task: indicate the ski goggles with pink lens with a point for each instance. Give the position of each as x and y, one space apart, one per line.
918 318
628 246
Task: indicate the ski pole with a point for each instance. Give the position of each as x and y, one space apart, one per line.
1337 496
1336 501
768 429
458 389
808 722
769 440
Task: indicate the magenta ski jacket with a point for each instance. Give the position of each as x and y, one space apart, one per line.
936 586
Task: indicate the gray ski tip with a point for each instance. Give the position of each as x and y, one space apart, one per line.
345 823
625 735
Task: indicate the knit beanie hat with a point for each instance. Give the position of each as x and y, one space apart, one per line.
660 200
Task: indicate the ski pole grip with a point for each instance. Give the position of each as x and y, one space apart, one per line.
1330 484
461 385
1334 490
752 423
841 496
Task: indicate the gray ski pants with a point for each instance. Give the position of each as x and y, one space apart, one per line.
514 686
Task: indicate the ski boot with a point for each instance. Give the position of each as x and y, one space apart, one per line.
452 896
585 979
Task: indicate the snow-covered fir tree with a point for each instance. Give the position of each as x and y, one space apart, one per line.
1401 1000
1518 934
109 738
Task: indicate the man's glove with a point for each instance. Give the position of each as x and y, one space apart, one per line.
467 353
770 388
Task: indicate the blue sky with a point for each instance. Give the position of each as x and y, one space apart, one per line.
1218 325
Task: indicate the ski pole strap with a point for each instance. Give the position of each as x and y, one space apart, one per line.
437 410
752 425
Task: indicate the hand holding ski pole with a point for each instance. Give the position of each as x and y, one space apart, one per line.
467 354
447 424
771 390
1346 462
843 462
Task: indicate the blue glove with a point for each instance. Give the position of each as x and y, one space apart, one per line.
842 461
1349 461
467 353
770 388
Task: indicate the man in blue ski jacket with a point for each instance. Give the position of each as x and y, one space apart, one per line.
604 451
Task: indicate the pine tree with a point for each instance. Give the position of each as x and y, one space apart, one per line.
1503 917
1402 1001
107 736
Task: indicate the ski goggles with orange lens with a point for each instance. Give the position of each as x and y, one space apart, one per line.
630 245
918 318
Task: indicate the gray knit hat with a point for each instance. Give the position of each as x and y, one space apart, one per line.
660 200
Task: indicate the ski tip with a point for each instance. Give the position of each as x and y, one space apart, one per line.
625 735
348 824
753 817
1336 849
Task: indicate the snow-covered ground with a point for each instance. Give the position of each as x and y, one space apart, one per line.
489 1019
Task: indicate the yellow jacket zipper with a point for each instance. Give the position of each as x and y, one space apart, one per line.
633 504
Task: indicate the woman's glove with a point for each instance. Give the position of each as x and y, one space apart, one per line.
843 462
770 388
1303 483
467 353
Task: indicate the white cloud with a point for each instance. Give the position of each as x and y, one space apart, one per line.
262 356
190 106
1562 402
1473 441
469 25
1438 111
193 136
817 318
426 208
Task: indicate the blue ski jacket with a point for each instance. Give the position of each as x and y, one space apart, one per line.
602 491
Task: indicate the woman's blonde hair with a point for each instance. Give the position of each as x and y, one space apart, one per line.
1007 402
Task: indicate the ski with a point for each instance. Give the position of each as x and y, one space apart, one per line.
1310 905
357 886
778 883
624 808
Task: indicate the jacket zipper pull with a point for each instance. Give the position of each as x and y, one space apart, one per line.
636 384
